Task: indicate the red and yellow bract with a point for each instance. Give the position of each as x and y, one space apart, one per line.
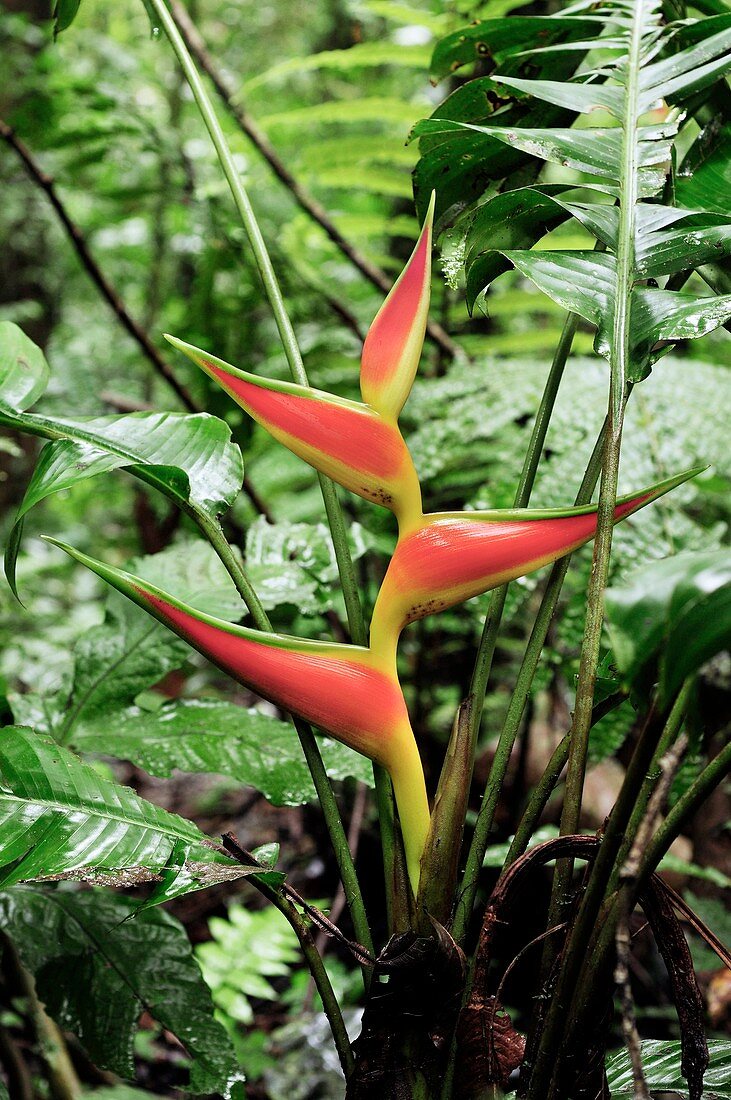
392 348
350 692
451 556
345 440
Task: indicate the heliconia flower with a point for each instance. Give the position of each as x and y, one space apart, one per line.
350 692
452 556
393 345
346 440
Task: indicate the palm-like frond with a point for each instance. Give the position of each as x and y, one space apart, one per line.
645 77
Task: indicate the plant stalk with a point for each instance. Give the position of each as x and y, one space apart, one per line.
516 707
325 794
488 641
543 1080
288 338
317 969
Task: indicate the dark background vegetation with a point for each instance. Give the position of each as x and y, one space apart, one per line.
105 111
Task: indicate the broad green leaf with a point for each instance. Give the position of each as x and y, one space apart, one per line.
513 220
189 458
64 13
294 563
128 652
114 662
596 152
97 970
584 282
661 1065
682 74
220 738
497 40
673 616
58 816
658 66
578 97
24 371
704 179
461 164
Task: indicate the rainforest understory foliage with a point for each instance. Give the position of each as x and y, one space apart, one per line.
364 499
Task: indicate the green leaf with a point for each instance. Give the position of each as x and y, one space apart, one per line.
59 816
704 179
661 1064
657 65
380 109
497 40
584 282
128 652
64 13
294 563
220 738
114 662
596 152
189 458
245 950
97 971
513 220
24 371
671 616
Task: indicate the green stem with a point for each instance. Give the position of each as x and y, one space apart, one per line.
619 363
513 718
287 335
667 737
317 969
488 641
618 375
332 505
325 794
543 1078
625 882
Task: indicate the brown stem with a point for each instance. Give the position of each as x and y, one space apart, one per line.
302 197
62 1079
20 1082
107 290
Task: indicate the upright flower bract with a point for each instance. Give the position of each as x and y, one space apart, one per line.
393 346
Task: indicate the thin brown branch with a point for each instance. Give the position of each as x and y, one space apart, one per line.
107 291
301 195
110 294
